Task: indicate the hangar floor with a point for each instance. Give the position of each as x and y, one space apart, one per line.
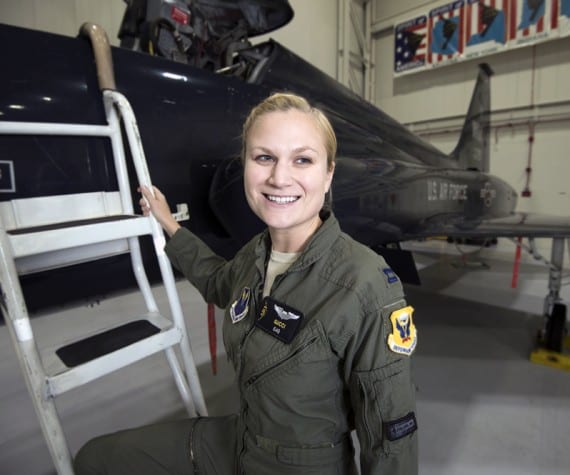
483 408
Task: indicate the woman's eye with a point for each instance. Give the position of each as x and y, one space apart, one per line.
303 161
263 158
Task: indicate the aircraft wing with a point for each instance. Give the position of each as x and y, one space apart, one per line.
518 224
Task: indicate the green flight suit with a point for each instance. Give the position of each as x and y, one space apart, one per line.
299 400
347 367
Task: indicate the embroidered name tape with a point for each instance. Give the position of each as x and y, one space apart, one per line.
279 320
394 430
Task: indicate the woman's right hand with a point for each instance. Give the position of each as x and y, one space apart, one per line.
155 202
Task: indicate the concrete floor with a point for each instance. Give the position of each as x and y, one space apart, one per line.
483 408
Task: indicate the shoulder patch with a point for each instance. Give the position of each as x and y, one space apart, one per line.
240 307
403 338
390 275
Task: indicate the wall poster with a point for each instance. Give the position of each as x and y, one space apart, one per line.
465 29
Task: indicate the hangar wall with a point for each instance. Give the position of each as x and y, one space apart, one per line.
529 91
64 16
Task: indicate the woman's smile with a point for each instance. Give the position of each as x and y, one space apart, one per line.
282 200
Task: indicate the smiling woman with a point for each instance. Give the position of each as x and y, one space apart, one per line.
316 327
288 169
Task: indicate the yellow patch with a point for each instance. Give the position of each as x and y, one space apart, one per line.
403 338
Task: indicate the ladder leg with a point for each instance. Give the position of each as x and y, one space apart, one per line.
181 383
18 323
178 318
194 399
192 375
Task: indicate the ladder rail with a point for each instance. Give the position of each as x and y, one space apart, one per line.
117 145
18 323
55 128
124 108
117 105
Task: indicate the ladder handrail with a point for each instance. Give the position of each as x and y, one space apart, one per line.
102 53
115 101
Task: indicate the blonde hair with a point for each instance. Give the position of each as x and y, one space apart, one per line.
283 102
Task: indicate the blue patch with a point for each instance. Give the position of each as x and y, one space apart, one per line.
390 275
394 430
240 307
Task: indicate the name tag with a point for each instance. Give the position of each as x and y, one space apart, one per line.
279 320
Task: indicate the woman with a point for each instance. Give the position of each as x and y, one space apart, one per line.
317 328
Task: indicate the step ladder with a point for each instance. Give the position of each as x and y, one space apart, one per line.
25 247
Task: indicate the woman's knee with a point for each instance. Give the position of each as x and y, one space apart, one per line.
90 460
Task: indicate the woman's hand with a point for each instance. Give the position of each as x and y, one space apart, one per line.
156 204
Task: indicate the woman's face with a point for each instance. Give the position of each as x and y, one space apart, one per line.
286 174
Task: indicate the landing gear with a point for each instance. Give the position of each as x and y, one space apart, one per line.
553 338
555 331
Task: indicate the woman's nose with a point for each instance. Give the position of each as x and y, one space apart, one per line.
280 174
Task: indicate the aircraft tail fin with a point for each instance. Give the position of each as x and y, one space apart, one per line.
472 150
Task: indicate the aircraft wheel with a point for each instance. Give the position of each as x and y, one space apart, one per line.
556 328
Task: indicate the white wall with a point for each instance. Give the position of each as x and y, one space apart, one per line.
64 16
441 96
312 34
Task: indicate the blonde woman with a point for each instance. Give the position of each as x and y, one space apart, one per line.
316 327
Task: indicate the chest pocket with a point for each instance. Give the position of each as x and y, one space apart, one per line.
298 362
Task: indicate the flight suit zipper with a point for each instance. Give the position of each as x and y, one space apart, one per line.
365 403
302 348
191 446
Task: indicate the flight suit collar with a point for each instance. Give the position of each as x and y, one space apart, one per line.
317 246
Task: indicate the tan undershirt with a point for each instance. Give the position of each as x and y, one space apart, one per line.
278 263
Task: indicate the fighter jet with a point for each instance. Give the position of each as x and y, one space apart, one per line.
191 73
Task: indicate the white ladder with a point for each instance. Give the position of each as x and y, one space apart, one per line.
30 247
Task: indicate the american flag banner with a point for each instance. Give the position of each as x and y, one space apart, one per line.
532 20
486 26
564 18
410 45
445 33
465 29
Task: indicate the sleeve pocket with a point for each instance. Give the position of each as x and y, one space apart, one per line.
383 398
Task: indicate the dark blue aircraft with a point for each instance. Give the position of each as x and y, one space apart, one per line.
191 74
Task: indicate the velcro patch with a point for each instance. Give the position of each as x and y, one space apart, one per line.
279 320
394 430
404 337
391 276
240 307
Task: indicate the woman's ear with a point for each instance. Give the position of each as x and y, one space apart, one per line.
330 176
